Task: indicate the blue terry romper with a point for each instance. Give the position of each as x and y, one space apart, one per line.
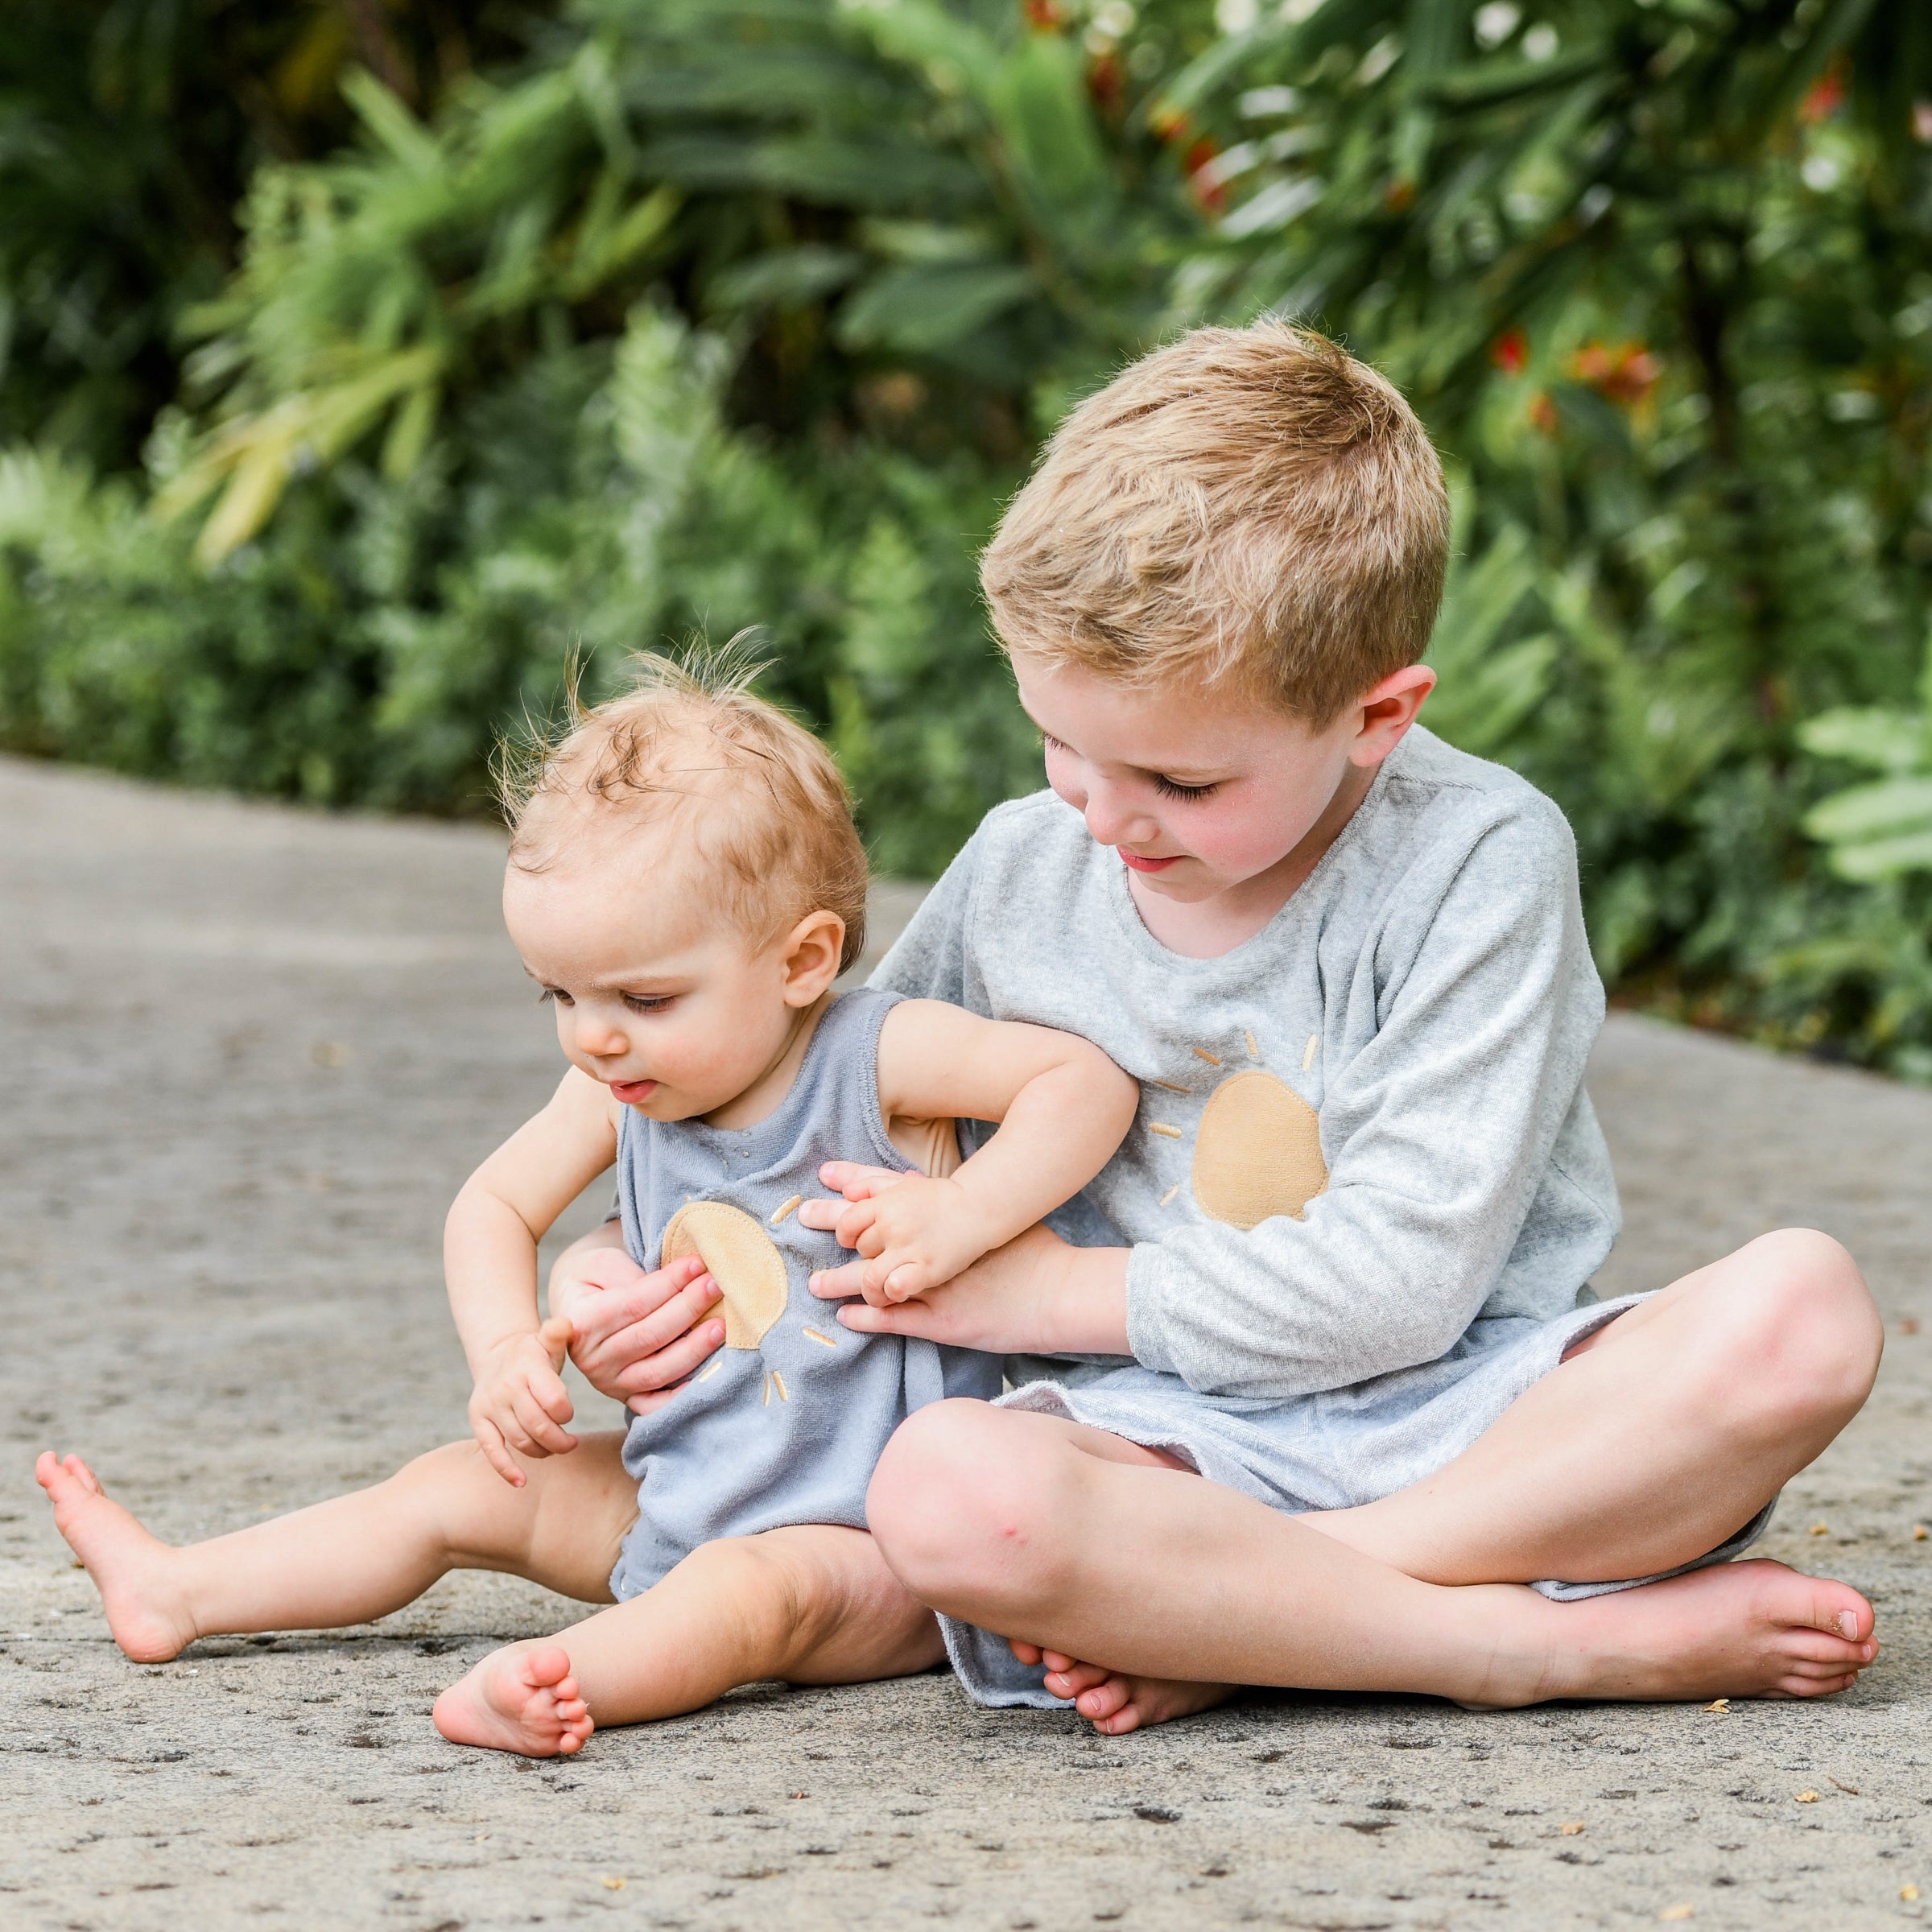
784 1424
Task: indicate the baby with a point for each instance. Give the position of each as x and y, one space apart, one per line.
684 884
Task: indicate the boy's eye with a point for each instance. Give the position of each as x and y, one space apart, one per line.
1168 789
639 1002
556 993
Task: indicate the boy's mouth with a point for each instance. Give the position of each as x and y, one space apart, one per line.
1134 862
633 1093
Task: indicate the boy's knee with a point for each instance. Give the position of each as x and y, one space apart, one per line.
957 1513
1802 1336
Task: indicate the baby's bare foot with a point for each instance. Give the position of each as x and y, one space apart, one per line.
522 1698
146 1610
1749 1629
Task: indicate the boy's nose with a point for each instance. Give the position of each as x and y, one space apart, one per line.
1114 822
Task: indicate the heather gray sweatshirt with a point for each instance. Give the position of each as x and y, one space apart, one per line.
1363 1135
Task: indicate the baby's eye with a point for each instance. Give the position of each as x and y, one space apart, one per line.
1051 742
556 993
639 1002
1168 788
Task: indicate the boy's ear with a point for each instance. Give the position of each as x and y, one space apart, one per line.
1388 709
811 956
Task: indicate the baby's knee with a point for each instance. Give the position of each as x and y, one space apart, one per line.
959 1511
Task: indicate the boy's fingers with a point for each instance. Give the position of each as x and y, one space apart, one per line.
672 1363
656 1332
857 1182
644 1296
836 1284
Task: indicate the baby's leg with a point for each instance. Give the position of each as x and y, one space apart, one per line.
356 1557
810 1605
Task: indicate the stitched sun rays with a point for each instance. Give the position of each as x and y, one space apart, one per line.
1257 1151
745 1263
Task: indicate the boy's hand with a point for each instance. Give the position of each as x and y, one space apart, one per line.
636 1333
913 1235
1037 1295
519 1402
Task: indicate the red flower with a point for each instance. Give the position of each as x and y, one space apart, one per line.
1510 352
1823 97
1626 373
1107 83
1042 15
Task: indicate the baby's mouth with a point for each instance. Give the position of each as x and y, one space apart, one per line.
1134 862
633 1093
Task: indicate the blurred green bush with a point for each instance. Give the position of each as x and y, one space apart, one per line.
701 313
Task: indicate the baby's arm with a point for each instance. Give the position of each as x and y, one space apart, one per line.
490 1258
1063 1106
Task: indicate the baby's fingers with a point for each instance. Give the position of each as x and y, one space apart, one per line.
490 1440
541 1434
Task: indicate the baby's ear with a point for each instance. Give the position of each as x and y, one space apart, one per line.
813 949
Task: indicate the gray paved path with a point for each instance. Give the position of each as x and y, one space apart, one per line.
247 1056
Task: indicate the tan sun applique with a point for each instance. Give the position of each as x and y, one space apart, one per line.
1257 1152
742 1259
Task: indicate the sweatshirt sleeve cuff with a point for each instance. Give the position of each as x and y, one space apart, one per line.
1147 1268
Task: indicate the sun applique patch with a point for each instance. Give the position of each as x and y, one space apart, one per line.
1258 1150
744 1262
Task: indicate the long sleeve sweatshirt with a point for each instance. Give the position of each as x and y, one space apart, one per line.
1364 1132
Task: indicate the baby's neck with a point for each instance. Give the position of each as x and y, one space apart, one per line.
762 1096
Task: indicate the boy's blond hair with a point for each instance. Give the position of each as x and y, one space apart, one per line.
757 795
1250 504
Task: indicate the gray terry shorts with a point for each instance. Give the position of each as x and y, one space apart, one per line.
1330 1450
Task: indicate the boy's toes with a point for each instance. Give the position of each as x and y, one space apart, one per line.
1076 1679
1105 1699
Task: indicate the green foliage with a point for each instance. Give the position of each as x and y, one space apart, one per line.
704 313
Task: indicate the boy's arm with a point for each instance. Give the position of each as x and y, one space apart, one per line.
489 1257
1440 1129
1062 1108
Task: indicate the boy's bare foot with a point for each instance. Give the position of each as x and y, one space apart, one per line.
1748 1629
1115 1703
521 1699
146 1614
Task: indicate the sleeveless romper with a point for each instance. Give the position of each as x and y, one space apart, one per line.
784 1423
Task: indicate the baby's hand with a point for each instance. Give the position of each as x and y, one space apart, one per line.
519 1401
913 1236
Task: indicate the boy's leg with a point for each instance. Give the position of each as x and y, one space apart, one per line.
1657 1440
810 1605
356 1557
1025 1524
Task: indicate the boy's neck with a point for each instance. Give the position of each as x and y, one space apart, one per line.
761 1097
1204 929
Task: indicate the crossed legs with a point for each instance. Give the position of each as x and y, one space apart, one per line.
1651 1445
813 1604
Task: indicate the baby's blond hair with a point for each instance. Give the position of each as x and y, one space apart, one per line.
1251 504
760 796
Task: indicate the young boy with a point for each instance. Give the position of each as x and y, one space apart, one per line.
1348 1245
684 883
